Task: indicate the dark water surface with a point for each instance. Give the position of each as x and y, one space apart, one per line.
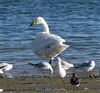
77 21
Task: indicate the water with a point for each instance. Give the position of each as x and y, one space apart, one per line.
77 21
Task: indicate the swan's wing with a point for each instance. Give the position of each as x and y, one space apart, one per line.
52 36
56 37
46 45
43 39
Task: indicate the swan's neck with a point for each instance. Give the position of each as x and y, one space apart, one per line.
45 27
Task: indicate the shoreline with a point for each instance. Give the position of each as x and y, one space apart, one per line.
46 85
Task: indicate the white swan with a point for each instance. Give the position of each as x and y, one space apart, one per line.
43 66
45 44
86 66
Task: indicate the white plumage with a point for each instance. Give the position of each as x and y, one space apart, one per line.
43 66
46 44
60 71
87 66
66 65
4 67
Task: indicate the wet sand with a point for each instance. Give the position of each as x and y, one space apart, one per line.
47 85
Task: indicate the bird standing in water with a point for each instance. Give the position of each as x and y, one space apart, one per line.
45 44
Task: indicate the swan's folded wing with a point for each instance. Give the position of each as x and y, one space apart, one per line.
47 45
51 36
44 39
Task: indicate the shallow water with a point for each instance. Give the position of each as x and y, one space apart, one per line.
77 21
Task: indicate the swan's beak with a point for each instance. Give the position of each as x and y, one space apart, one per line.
33 22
